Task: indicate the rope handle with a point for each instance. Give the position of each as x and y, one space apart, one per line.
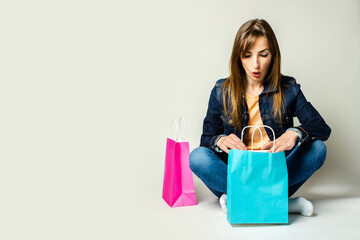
252 137
178 126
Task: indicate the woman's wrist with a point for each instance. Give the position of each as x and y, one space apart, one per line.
218 140
297 135
216 147
294 134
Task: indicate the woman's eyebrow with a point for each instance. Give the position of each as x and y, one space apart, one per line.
260 51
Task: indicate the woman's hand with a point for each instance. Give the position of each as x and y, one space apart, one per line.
230 142
284 142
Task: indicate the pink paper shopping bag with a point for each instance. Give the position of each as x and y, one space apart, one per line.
178 185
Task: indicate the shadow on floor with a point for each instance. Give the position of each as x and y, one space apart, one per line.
316 196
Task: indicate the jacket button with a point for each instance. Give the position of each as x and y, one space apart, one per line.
230 121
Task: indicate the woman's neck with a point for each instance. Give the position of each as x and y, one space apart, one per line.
254 88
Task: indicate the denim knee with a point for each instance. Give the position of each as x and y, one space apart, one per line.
198 159
320 152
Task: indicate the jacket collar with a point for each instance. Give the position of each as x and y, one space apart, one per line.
267 88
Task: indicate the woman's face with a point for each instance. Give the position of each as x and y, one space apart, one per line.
257 60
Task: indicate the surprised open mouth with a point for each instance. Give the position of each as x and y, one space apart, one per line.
256 74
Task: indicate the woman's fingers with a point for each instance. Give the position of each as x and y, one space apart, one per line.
225 149
284 147
267 146
281 146
285 142
237 142
231 142
226 146
280 149
232 146
272 147
234 142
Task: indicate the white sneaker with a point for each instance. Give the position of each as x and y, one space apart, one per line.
222 201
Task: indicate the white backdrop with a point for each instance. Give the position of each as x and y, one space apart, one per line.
88 90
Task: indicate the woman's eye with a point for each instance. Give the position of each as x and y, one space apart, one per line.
264 55
246 56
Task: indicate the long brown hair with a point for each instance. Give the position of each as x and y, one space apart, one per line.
235 84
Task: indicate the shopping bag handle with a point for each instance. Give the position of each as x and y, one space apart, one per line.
173 128
252 137
182 130
178 126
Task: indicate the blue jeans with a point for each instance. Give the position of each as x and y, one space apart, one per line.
302 162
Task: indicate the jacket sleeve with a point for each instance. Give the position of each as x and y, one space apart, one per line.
212 124
312 125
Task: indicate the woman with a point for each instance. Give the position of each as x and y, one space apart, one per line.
256 93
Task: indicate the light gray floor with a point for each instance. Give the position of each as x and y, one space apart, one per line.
336 217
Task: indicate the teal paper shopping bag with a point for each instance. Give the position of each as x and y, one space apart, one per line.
257 187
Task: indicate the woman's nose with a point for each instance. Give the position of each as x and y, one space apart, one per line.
256 63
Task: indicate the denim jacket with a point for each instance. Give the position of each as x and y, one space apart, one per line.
313 126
